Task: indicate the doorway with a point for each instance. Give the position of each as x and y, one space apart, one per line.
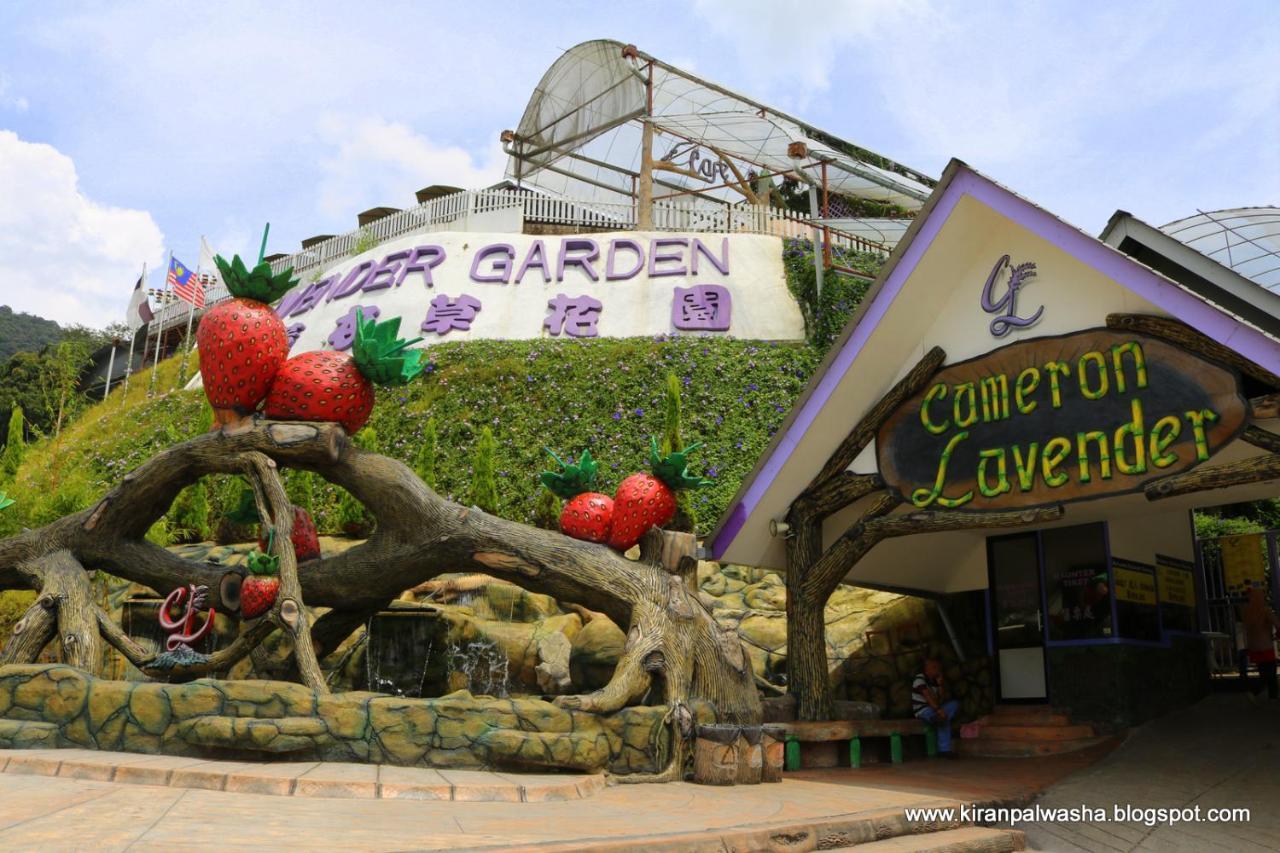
1017 617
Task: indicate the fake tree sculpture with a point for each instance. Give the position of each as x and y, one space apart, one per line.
675 652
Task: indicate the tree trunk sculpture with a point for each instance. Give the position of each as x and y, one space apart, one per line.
674 647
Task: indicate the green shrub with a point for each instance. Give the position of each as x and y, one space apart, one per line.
424 461
189 515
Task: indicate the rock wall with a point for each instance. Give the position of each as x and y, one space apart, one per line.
51 705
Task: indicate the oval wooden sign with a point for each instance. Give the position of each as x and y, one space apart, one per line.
1058 419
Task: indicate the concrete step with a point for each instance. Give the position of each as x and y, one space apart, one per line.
999 731
1027 717
965 839
992 748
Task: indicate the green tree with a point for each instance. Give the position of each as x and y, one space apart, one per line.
189 516
686 519
15 448
424 461
546 511
64 363
484 480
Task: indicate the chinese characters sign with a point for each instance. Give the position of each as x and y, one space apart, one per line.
1057 419
457 286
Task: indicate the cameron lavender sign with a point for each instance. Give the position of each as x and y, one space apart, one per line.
457 285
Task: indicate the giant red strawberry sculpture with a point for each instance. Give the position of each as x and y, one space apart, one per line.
587 514
334 386
649 500
242 341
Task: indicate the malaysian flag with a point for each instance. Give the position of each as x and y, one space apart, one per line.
186 285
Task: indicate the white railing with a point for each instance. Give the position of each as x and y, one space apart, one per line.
175 312
668 215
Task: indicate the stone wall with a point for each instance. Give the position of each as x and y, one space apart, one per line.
51 705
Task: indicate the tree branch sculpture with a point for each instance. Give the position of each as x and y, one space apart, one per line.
674 650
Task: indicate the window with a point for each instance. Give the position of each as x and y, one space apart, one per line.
1077 585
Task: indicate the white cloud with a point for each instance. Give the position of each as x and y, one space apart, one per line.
374 162
63 255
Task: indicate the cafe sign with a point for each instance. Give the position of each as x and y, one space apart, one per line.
1056 419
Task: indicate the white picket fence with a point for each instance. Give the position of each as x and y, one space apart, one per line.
455 210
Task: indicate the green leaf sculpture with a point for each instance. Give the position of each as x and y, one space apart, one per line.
5 502
258 284
263 564
673 469
573 478
381 355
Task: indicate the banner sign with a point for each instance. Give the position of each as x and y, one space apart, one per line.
1244 563
1135 582
448 286
1057 419
1177 585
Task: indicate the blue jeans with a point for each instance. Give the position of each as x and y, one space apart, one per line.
943 728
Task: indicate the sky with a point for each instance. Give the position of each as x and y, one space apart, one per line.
130 129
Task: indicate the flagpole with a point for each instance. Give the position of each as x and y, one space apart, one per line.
111 364
133 336
164 303
191 315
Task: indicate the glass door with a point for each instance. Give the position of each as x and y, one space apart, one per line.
1017 616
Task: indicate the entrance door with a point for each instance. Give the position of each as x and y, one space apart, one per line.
1017 616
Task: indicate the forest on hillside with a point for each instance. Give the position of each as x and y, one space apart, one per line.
22 332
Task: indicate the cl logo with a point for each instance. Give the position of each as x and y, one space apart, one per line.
1005 308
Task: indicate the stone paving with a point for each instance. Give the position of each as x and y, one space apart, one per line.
1222 752
828 809
302 778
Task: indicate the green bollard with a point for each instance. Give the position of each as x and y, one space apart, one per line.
793 754
931 741
895 747
855 752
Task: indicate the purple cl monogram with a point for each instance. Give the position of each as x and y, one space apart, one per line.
1019 276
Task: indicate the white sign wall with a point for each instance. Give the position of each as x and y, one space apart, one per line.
448 286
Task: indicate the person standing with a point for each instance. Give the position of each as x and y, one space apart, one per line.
1259 636
930 702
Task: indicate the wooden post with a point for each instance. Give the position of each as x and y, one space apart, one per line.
715 755
644 212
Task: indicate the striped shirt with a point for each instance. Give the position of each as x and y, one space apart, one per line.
921 688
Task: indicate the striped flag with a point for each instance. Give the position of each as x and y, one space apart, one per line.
185 283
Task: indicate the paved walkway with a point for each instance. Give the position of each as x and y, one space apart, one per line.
1223 752
828 809
301 778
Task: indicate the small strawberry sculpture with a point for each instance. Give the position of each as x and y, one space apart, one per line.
259 590
306 542
649 500
333 386
587 514
242 342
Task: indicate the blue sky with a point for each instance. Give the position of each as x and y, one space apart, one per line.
128 129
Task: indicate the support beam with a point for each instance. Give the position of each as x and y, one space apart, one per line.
865 430
1256 470
1261 438
1265 407
1179 333
838 492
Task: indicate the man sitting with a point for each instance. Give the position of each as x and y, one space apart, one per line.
929 702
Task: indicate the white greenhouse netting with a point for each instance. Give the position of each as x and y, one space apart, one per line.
1246 239
580 136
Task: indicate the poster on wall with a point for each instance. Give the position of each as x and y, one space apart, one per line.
1058 419
1137 615
1244 563
1175 582
449 286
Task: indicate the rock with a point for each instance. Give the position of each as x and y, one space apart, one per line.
554 651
